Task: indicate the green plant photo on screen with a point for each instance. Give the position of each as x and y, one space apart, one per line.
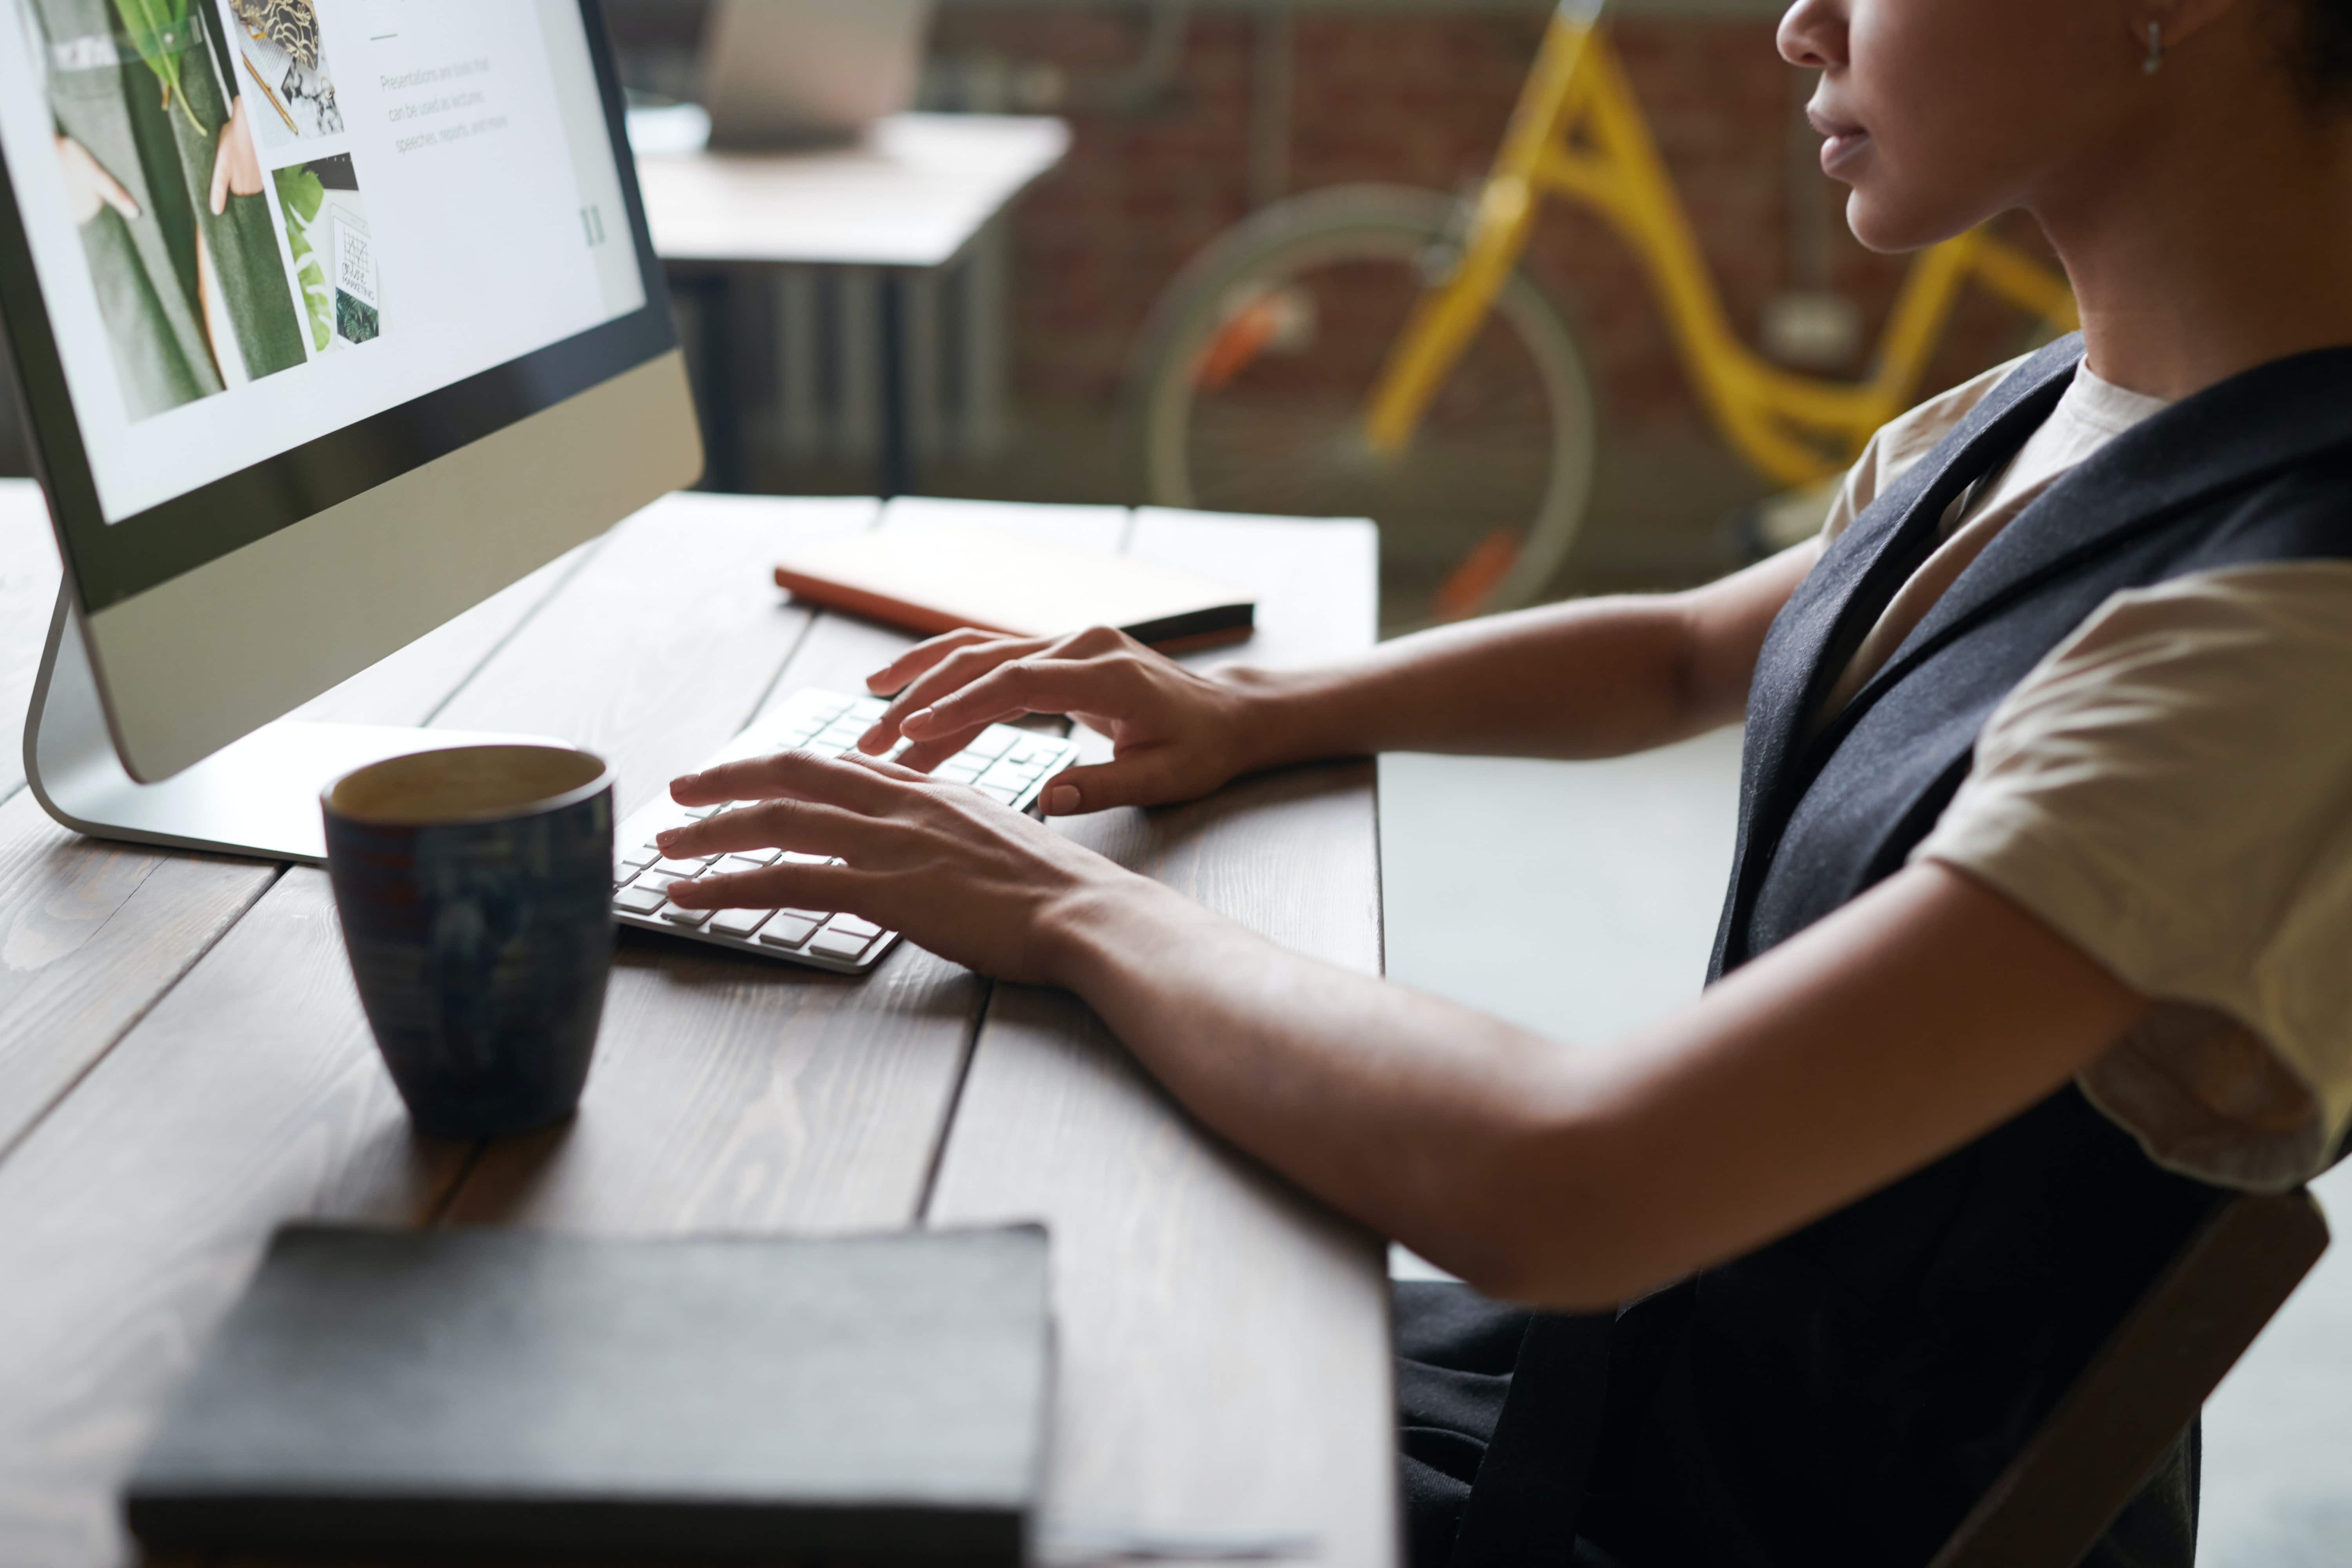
301 194
163 184
158 30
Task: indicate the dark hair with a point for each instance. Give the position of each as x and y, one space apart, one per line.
2322 51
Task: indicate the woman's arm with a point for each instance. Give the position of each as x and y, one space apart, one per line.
1917 1017
1596 678
1897 1029
1590 678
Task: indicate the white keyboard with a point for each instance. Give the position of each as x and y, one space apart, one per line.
1008 765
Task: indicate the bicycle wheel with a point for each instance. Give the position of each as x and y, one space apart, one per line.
1253 373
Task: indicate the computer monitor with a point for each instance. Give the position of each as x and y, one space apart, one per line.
332 318
778 73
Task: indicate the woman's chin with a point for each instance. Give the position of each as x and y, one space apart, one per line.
1892 226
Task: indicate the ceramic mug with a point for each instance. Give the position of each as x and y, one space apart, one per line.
475 887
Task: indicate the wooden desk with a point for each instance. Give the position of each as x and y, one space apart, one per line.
912 195
184 1064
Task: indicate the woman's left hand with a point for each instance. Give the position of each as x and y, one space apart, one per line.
236 169
972 881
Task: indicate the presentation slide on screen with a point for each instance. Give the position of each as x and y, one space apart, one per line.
255 222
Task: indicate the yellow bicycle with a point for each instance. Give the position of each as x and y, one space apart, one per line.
1376 350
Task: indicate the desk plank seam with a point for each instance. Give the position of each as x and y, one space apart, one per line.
955 1098
65 1090
768 692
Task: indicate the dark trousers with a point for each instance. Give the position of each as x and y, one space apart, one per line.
1512 1438
1481 1403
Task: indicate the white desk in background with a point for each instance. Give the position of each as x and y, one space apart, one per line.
914 196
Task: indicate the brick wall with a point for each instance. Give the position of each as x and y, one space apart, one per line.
1419 99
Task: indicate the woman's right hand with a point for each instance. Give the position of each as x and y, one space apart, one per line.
1175 734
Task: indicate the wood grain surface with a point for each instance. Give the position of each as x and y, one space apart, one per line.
1225 1360
132 1215
1224 1363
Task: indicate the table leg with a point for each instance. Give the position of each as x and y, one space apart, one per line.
898 471
725 464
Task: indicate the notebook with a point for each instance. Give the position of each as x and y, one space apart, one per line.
936 575
878 1398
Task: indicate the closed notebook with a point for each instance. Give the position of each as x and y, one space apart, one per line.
880 1399
937 576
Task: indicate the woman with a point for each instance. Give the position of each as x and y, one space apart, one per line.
2045 850
164 187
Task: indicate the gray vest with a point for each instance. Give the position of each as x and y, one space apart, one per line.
1843 1395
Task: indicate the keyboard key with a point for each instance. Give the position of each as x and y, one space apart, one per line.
794 858
854 926
762 858
636 860
678 917
1001 793
955 770
786 930
868 709
814 917
833 944
640 900
689 867
1007 775
738 923
736 865
992 742
1031 753
660 880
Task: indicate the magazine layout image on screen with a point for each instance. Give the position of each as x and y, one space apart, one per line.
257 222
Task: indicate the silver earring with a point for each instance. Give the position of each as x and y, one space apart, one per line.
2155 61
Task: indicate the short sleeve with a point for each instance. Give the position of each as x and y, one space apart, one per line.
2172 790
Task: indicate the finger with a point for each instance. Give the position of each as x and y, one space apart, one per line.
1009 691
777 887
110 192
794 824
797 775
894 675
896 771
1147 778
220 179
958 669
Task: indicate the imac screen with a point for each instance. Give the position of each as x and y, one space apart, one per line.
254 224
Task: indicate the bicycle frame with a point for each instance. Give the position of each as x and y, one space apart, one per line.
1577 132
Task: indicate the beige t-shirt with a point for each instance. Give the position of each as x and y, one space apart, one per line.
2172 790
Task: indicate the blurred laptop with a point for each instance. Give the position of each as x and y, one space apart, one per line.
778 72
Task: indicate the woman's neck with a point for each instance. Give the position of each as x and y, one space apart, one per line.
2217 235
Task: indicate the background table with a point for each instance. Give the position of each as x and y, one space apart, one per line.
184 1064
913 195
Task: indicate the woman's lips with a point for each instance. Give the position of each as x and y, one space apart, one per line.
1842 142
1842 151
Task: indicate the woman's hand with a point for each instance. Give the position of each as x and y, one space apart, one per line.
236 169
88 187
975 882
1175 734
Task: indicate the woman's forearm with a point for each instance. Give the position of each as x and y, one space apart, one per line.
1396 1106
1591 678
1892 1032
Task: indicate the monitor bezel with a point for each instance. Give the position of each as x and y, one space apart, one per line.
109 563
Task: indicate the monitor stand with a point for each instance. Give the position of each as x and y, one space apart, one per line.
258 797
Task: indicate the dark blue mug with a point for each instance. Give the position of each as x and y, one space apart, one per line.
475 887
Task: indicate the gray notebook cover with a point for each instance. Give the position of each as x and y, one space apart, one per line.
491 1390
